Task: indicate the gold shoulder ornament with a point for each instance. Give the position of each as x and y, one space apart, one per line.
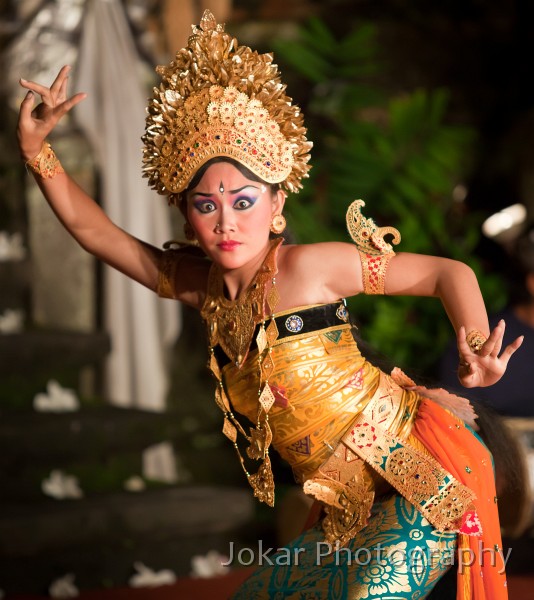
375 252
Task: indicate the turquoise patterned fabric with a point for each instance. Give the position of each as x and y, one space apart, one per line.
397 556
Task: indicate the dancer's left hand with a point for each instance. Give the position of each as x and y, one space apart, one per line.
488 365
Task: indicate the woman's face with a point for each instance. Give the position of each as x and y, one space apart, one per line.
231 215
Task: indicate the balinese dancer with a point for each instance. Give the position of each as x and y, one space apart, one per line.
402 485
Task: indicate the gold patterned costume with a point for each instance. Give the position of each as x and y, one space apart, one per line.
345 427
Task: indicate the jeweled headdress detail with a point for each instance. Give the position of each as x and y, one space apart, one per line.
217 98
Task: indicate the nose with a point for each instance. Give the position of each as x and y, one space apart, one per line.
226 221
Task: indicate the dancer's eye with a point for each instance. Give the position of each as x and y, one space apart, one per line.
244 202
204 206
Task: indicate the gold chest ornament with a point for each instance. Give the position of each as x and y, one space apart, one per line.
231 325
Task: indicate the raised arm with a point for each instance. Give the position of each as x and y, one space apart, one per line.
80 214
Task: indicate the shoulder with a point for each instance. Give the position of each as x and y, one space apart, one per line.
184 276
333 267
322 254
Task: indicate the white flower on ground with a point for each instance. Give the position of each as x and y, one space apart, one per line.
11 247
134 484
57 399
11 321
209 565
60 486
146 577
63 587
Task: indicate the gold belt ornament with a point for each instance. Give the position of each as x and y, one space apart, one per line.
346 487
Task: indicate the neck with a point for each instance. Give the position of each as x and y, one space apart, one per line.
236 281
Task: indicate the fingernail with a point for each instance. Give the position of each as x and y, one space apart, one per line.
23 80
29 94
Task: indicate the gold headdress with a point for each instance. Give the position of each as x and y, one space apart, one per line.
221 99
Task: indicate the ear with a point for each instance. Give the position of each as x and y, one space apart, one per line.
529 284
279 199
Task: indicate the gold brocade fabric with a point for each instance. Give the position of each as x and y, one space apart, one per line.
343 425
322 382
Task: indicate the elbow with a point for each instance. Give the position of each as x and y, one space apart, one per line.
463 271
455 274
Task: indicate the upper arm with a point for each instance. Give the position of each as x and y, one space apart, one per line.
144 263
337 268
422 275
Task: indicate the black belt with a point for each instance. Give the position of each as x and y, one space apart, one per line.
299 322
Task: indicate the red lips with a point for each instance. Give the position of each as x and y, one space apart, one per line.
229 245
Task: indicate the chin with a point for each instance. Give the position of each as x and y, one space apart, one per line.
228 262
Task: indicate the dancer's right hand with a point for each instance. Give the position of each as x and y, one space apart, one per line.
35 124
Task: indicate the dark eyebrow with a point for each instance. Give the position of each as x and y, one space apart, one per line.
205 195
242 188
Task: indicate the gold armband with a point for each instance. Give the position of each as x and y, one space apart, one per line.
169 261
46 163
475 340
375 252
374 272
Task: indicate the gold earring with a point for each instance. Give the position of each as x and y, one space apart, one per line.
189 232
278 224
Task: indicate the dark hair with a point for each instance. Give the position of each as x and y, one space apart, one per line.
224 159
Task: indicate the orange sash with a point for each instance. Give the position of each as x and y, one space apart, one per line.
481 574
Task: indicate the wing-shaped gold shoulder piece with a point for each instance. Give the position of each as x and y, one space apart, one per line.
367 236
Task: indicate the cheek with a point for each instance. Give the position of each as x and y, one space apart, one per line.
262 218
198 221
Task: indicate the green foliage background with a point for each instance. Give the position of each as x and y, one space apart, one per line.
400 155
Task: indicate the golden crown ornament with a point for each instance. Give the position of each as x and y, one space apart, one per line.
217 98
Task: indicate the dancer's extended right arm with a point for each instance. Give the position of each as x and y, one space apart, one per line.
80 215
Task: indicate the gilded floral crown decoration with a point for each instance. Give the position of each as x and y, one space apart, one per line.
217 98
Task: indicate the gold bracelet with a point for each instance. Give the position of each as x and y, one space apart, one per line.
475 340
46 163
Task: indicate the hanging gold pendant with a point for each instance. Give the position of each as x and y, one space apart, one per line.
272 332
221 400
260 440
267 367
273 298
267 398
262 483
261 340
229 430
342 522
214 367
236 328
